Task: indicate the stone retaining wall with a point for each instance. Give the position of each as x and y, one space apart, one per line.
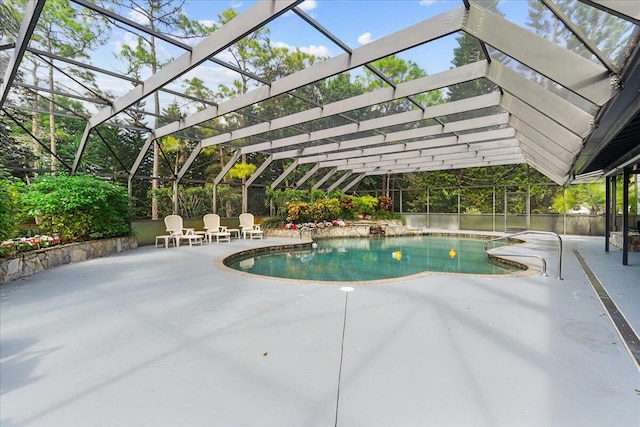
359 229
615 239
28 263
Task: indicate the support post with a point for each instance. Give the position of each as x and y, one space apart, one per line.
614 201
607 215
564 213
528 207
625 216
428 203
494 209
214 196
176 205
505 209
459 203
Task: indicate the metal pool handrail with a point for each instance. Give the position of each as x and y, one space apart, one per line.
544 262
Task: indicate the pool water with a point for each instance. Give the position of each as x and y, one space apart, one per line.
355 259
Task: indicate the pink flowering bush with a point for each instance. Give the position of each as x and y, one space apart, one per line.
18 245
313 225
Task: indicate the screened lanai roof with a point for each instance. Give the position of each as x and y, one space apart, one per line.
564 101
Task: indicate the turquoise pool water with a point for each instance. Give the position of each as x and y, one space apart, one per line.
354 260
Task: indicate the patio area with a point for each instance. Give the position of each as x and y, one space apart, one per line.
168 337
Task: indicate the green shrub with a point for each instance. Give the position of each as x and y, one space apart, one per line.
193 202
385 203
299 212
281 198
273 222
79 207
365 205
9 208
346 208
325 209
382 214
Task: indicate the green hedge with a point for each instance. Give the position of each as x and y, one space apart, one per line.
78 207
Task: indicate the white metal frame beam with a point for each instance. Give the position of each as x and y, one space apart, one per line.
408 117
258 15
528 102
417 34
306 176
436 81
437 130
285 174
322 180
258 171
578 74
29 22
353 182
338 181
623 9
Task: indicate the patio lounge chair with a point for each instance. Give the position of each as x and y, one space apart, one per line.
176 230
247 227
213 229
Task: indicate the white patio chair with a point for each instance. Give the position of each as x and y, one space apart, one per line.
248 228
176 230
213 228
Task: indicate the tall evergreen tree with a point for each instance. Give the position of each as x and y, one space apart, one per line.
167 17
468 51
65 30
605 30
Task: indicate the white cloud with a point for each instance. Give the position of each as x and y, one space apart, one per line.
117 87
427 2
139 17
308 5
315 50
365 38
226 55
131 40
212 75
311 49
128 40
208 22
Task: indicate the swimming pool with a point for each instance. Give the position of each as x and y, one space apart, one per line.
366 259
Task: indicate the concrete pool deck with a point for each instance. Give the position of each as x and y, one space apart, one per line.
163 337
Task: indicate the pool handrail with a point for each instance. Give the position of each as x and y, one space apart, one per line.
544 262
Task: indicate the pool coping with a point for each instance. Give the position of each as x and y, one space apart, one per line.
525 268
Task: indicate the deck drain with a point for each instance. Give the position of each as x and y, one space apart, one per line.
628 335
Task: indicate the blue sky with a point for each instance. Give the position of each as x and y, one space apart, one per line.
355 22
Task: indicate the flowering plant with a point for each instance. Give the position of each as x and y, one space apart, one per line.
26 244
312 225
